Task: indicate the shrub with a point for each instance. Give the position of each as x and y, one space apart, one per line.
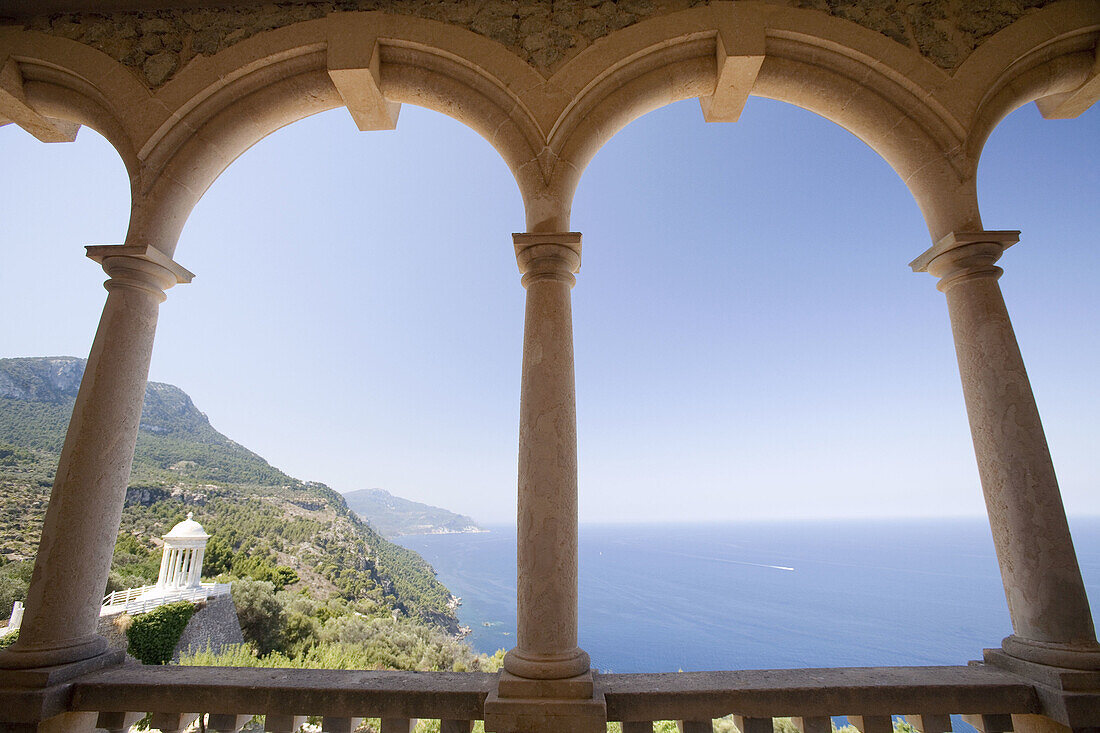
15 578
260 613
153 636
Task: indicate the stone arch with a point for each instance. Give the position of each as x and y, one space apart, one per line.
284 75
177 140
929 125
66 81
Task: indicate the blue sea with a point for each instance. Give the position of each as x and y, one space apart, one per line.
668 597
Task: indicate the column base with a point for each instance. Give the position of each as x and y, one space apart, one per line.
33 696
547 666
20 656
1084 657
570 688
540 710
1070 697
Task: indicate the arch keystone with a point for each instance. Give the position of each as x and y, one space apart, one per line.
1068 105
739 48
354 65
14 108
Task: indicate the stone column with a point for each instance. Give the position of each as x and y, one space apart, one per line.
546 646
196 567
174 568
181 570
1051 620
171 564
85 509
165 563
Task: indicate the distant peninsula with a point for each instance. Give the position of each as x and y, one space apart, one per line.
392 516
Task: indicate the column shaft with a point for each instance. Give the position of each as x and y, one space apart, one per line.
176 568
1051 619
181 568
82 519
173 562
547 512
162 576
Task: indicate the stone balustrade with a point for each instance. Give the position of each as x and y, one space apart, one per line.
869 696
986 695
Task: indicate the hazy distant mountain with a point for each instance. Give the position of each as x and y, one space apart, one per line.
393 516
183 464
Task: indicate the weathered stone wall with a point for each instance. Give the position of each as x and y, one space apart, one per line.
113 628
215 625
155 44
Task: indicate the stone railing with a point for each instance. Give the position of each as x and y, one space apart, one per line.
870 697
986 696
341 698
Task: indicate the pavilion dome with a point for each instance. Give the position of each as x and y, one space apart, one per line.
188 529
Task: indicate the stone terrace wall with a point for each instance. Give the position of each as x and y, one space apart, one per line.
155 44
215 625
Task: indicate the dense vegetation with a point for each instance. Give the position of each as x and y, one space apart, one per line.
266 526
293 629
152 636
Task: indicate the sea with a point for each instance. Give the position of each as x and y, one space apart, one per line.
759 595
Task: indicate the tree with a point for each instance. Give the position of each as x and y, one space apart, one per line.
260 613
217 559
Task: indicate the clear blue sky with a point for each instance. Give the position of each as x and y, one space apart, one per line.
750 342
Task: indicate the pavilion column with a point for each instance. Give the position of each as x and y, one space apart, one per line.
165 563
82 520
547 544
196 566
1051 620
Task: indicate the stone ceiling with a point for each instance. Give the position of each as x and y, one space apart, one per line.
155 43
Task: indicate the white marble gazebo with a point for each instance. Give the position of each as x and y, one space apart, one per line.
181 563
180 577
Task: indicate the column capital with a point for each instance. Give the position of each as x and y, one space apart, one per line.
548 256
962 256
140 266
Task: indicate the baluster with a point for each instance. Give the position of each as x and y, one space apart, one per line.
637 726
456 726
330 724
752 725
696 726
930 723
398 725
872 723
227 722
117 722
997 723
279 723
814 724
172 722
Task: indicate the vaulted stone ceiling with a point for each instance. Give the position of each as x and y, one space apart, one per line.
155 43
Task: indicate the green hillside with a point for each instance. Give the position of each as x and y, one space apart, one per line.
393 516
265 525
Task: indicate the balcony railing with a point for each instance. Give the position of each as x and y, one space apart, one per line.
146 598
986 696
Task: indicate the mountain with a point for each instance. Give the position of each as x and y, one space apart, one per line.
393 516
264 523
